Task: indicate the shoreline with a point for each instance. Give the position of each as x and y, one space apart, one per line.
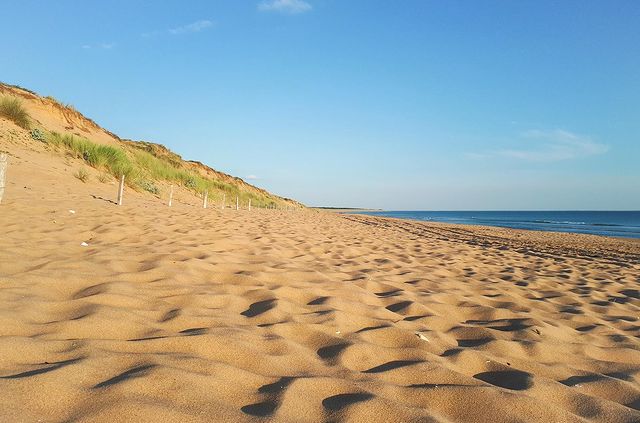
574 232
343 210
595 246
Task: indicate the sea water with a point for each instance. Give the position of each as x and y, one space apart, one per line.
608 223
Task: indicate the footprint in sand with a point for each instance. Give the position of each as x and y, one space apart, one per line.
330 353
273 392
135 372
259 307
515 380
340 401
392 365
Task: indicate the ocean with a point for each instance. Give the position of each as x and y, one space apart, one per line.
607 223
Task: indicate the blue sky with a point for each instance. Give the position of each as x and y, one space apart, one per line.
412 104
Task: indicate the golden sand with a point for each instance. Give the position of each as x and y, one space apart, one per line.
184 314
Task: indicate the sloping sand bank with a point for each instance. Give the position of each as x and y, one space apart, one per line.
185 314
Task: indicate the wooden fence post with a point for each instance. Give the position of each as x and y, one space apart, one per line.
121 190
3 171
171 196
205 199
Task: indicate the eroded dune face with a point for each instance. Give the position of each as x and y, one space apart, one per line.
185 314
49 113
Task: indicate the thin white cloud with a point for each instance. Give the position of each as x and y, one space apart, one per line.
285 6
251 177
192 27
556 145
477 156
549 146
150 34
104 46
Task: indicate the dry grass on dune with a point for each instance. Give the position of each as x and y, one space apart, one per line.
185 314
12 109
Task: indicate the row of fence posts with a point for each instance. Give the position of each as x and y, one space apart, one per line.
205 200
205 197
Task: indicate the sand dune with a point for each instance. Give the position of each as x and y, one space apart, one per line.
185 314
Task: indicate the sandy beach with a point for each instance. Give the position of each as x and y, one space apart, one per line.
303 211
186 314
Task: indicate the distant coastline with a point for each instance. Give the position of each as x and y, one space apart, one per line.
346 209
625 224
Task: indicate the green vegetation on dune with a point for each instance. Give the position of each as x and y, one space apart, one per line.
141 168
112 159
12 109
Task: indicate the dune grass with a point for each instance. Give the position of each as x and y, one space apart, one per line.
111 159
12 109
82 175
142 168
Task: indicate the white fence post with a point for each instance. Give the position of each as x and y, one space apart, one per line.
171 196
121 190
224 199
249 204
205 199
237 203
3 171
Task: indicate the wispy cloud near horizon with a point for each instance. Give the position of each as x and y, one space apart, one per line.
291 7
549 146
197 26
